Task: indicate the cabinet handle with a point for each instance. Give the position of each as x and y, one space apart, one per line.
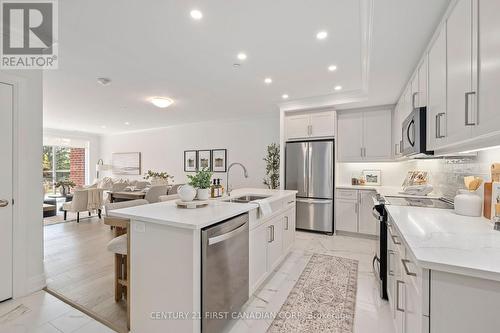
395 240
413 98
286 222
398 308
405 265
270 240
396 149
389 271
273 232
361 151
438 125
291 202
467 123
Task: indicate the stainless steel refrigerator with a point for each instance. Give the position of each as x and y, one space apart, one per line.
310 169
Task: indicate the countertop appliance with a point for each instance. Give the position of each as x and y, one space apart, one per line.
309 169
414 137
224 269
380 261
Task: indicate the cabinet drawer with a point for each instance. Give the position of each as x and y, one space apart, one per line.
346 194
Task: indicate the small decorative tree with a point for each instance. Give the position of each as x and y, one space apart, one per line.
272 178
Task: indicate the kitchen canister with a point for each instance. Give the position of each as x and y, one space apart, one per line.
468 203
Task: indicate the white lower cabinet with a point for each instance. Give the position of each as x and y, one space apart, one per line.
353 212
270 240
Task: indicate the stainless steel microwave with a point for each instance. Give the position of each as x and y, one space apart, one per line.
414 133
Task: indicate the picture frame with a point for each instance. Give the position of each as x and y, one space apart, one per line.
372 177
190 161
126 163
204 159
219 160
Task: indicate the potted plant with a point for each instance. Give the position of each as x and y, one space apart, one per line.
158 178
201 181
65 186
272 178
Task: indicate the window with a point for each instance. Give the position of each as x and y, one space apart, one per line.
62 163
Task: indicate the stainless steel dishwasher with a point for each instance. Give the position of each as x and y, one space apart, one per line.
224 267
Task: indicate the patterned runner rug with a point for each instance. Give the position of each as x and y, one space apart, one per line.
322 300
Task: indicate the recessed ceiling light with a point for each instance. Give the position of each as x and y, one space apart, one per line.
196 14
284 96
268 80
322 35
242 56
338 88
103 126
127 123
104 81
332 68
161 102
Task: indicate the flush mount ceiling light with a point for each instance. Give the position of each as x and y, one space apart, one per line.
268 80
284 96
104 81
321 35
242 56
196 14
103 126
127 123
338 88
332 68
161 102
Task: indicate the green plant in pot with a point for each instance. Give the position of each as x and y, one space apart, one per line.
65 186
272 159
157 177
202 182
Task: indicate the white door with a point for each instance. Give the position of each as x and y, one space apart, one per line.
367 224
436 109
323 124
350 136
460 94
346 215
6 111
488 117
297 127
377 135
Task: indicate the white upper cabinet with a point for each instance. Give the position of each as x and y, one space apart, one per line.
310 125
488 115
350 136
436 108
396 130
414 91
421 100
364 136
461 96
377 129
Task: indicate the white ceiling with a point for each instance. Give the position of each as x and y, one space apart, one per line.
158 50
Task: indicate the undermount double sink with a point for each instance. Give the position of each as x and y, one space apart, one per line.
246 198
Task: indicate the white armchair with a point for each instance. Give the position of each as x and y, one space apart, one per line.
84 200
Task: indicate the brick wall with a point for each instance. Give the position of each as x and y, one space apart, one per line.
77 166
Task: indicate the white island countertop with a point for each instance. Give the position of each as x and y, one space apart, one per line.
167 213
441 240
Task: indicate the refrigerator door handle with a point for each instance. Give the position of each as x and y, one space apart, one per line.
314 201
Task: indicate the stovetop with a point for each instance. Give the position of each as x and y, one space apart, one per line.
418 202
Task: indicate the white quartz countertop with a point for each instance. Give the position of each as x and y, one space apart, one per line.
167 213
441 240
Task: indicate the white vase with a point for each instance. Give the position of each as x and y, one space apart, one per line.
186 193
203 193
468 203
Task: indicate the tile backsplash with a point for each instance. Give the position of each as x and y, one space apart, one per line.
445 174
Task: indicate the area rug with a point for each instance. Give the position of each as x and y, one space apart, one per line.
322 300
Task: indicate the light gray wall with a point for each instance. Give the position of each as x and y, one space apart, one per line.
163 149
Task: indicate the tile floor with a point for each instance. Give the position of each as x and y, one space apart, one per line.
43 313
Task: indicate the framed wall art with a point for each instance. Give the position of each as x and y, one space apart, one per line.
219 157
126 163
190 160
204 159
372 177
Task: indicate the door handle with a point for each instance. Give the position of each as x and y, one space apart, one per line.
467 123
312 201
4 203
410 126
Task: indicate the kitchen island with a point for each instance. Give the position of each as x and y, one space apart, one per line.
168 245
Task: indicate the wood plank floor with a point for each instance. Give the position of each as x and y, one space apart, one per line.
78 266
